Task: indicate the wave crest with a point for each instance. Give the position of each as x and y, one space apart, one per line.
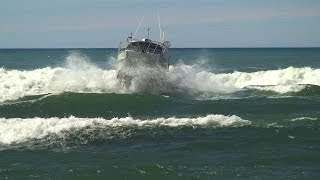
17 130
80 76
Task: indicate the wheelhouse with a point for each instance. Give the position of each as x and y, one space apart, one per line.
145 45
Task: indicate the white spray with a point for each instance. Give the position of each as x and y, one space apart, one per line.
79 75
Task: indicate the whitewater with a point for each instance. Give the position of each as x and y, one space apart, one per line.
17 130
79 75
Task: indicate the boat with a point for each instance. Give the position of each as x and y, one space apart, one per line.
134 53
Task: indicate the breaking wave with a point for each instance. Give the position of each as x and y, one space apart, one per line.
81 76
280 81
17 130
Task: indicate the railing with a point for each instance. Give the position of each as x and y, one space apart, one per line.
135 44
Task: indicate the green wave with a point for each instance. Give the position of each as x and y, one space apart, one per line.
86 105
309 90
148 105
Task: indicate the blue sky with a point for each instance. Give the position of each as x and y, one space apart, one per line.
188 23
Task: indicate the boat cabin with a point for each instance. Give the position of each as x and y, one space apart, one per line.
145 45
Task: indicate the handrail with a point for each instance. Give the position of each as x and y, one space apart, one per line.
124 45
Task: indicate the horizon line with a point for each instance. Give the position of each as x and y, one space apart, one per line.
260 47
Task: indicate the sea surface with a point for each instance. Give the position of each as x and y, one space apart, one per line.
248 113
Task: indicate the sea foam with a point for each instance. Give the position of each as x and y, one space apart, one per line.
79 75
17 130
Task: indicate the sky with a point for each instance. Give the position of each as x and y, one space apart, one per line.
187 23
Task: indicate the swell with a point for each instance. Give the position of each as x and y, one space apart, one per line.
309 90
108 105
74 131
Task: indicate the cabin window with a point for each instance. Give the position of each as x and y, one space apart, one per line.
145 47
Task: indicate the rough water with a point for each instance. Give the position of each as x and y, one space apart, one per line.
216 113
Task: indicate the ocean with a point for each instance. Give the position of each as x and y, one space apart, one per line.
224 113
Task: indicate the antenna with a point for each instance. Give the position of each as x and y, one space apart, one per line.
138 27
148 32
160 30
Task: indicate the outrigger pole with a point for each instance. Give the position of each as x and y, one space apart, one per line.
138 27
